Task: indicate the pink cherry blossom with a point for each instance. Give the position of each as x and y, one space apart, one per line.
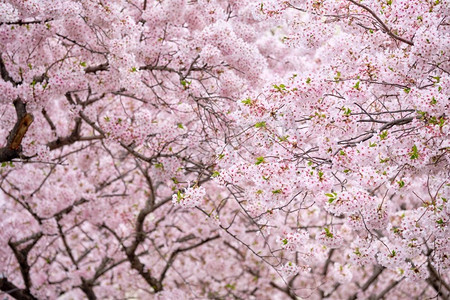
206 149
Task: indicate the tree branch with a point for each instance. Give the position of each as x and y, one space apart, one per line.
12 290
22 258
369 282
13 145
383 26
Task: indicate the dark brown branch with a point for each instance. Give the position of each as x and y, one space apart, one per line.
368 135
13 148
284 290
49 121
437 282
95 69
22 257
241 255
68 140
388 289
88 288
380 22
12 290
13 145
68 209
4 73
79 45
181 250
22 128
134 259
327 263
21 22
369 282
143 271
65 243
130 251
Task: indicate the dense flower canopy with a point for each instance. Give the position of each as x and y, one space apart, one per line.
225 149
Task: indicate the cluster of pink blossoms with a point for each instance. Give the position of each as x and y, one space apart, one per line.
191 197
225 149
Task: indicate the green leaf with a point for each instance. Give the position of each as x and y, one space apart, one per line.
247 101
328 232
276 191
414 154
347 111
180 196
383 135
260 160
338 76
433 120
308 80
260 124
215 174
422 114
356 86
180 125
331 197
407 90
283 138
401 183
280 87
230 286
320 173
83 64
185 83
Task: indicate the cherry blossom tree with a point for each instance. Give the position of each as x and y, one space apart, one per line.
225 149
